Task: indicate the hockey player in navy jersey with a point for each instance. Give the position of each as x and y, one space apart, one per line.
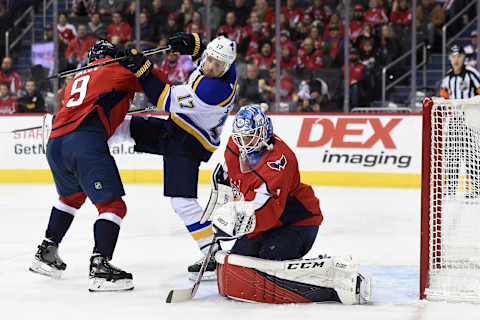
197 113
95 103
276 218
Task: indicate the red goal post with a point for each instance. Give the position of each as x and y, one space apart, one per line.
450 200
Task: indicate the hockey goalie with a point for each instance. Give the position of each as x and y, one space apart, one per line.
258 198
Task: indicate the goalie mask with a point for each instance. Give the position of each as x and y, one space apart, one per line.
222 49
252 130
102 49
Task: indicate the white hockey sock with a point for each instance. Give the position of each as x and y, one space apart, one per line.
190 211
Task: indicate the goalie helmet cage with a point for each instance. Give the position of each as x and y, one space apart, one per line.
450 205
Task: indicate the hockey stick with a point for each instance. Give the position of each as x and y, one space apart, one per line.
181 295
69 72
133 111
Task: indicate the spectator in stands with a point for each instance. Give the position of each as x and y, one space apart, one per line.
66 31
147 32
375 14
265 59
95 25
430 19
366 35
293 12
313 96
401 13
215 14
471 51
357 22
231 29
173 70
172 27
355 74
264 12
119 31
388 49
8 103
256 33
286 42
109 7
333 48
302 29
249 91
158 12
289 60
201 27
287 87
309 57
129 15
185 13
319 12
9 76
334 21
79 46
340 9
32 100
84 7
242 11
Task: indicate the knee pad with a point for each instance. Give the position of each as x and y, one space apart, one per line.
71 203
113 210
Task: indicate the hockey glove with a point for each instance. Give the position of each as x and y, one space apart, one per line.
137 63
235 218
186 43
220 193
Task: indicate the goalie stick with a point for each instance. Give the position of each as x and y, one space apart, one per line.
181 295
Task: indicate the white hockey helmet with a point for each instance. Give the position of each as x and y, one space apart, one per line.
222 49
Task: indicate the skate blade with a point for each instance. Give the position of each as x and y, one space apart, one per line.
103 285
365 290
207 276
46 270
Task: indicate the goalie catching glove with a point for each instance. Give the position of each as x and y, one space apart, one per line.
235 218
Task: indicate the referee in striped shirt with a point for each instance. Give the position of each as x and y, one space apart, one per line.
462 81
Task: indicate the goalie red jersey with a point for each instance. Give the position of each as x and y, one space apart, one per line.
275 188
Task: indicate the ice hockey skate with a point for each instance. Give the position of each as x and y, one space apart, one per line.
210 272
364 289
106 277
47 262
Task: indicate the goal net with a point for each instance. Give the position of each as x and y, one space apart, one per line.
450 227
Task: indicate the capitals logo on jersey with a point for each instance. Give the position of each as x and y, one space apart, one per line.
279 164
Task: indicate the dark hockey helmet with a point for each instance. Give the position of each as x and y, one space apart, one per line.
252 131
102 49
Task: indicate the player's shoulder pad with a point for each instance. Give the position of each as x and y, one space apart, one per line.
216 91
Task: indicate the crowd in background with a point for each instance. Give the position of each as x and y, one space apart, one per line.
311 42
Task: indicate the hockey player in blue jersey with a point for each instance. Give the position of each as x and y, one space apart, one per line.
197 113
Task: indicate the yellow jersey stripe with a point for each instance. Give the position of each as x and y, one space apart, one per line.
197 81
193 132
161 99
197 44
144 68
202 234
226 101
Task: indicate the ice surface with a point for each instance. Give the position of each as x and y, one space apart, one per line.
380 227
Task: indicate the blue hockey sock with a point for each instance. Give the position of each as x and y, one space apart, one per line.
106 234
58 225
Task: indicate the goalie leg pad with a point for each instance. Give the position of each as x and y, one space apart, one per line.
291 281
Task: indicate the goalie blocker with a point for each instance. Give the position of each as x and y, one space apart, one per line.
292 281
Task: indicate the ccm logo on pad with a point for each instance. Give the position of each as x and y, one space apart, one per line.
347 132
305 265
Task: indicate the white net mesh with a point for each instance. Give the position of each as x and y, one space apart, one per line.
454 261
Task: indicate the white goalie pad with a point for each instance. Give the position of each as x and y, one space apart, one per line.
338 273
235 218
220 193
